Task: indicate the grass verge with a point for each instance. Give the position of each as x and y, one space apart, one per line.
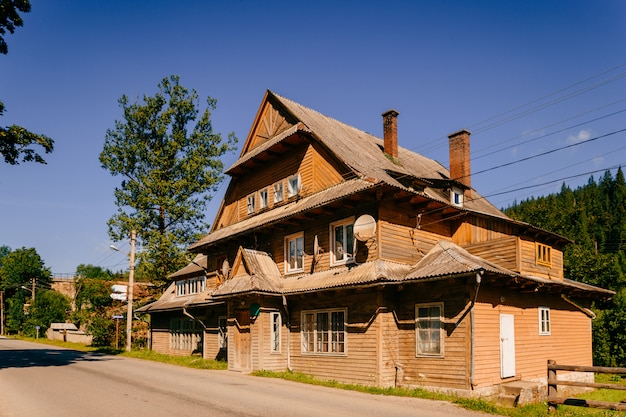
474 404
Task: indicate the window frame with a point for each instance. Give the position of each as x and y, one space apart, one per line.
543 254
545 324
457 197
250 203
291 192
333 338
264 198
288 239
278 192
276 323
222 332
344 224
430 331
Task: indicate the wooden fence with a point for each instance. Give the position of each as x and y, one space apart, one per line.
554 399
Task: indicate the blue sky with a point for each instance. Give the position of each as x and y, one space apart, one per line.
524 77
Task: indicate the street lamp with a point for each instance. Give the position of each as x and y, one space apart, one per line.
32 292
131 283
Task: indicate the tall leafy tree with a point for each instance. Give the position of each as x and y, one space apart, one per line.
16 143
169 157
22 266
49 307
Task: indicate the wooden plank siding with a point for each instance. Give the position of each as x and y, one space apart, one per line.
528 263
531 349
450 370
359 364
502 251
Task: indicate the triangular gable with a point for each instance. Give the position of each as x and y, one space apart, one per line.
270 121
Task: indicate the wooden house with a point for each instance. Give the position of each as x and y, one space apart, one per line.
184 320
347 257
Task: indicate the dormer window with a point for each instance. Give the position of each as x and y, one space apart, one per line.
544 254
456 197
293 185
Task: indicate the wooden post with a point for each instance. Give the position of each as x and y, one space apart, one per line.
117 333
551 386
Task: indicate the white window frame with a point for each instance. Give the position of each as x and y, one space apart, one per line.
299 267
429 331
329 341
264 199
250 200
347 229
544 321
294 184
222 332
279 194
456 197
181 288
275 333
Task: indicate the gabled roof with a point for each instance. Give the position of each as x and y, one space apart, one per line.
370 161
253 272
448 259
197 267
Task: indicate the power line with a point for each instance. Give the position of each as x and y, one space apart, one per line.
548 152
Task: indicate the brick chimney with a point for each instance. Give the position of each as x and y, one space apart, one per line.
390 133
460 159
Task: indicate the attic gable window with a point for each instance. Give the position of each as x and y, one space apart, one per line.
456 197
543 254
294 184
251 203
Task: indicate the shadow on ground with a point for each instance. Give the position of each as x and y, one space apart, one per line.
19 357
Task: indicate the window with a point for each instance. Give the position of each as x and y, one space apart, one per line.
456 197
278 192
190 286
275 332
323 332
185 334
293 185
544 321
251 204
342 241
222 337
544 254
294 258
181 288
263 199
428 329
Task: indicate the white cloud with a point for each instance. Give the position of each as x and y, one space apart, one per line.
582 136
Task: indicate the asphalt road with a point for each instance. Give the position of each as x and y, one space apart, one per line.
38 380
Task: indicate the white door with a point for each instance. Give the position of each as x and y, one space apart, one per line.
507 345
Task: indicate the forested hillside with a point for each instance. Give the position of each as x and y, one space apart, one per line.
594 217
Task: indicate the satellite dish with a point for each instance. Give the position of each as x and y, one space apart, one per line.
225 268
364 228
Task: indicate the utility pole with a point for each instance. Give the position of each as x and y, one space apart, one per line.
1 312
32 280
131 284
